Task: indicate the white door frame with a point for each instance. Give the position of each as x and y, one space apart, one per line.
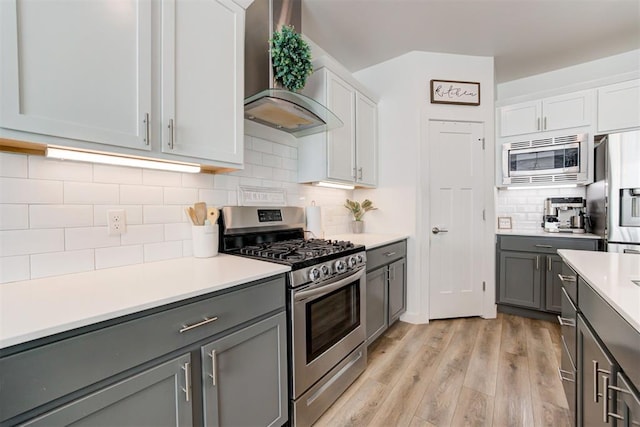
424 221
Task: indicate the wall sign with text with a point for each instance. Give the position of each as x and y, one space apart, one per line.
455 92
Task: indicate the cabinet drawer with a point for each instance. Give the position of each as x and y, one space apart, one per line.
386 254
42 374
620 338
546 244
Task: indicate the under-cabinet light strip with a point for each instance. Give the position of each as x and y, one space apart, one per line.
334 185
109 159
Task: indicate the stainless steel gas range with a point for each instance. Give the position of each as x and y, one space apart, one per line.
325 301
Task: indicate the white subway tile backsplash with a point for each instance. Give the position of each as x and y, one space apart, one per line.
14 268
162 214
23 190
89 237
90 193
253 157
197 180
271 161
14 165
180 196
116 174
177 231
215 198
60 216
119 256
14 217
290 164
161 178
147 233
262 145
226 182
64 170
161 251
24 242
262 172
141 195
280 150
58 263
133 213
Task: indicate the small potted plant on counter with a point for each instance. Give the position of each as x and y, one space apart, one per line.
358 210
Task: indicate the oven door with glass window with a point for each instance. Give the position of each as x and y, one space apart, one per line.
327 323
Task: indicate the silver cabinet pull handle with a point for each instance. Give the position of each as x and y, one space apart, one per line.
544 246
206 320
187 380
544 123
538 123
631 251
568 279
147 127
566 322
360 174
389 253
213 374
436 230
537 262
605 405
171 133
549 263
562 373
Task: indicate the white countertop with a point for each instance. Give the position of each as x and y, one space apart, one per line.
610 275
542 233
370 240
37 308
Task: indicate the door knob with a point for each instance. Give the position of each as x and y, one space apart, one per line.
436 230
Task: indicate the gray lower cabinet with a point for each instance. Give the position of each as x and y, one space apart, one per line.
386 287
528 269
219 358
155 397
243 374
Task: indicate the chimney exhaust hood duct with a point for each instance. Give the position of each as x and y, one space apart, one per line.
278 108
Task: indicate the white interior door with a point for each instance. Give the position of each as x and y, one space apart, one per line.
456 211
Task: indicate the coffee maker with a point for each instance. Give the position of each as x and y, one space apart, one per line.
564 215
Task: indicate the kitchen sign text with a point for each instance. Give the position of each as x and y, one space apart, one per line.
455 92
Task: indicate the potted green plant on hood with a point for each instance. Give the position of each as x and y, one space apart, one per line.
291 59
358 210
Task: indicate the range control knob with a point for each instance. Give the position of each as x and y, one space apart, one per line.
314 274
340 266
352 261
359 258
325 271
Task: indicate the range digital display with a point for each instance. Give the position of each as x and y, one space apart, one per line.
269 215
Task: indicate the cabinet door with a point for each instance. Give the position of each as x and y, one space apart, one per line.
553 284
376 303
619 106
244 376
397 289
203 79
520 278
366 141
594 363
567 111
160 396
78 70
341 141
520 118
627 403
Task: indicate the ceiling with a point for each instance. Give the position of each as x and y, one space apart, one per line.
526 37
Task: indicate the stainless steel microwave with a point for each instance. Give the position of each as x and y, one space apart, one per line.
550 160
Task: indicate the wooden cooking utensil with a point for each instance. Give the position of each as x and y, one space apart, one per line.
212 215
191 214
201 212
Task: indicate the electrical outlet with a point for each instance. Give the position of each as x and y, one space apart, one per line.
116 222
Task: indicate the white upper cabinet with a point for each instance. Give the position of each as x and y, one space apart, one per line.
203 79
554 113
77 69
619 106
347 154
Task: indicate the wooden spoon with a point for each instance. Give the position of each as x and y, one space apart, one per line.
192 215
201 212
212 215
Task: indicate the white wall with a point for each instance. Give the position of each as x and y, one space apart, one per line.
53 213
404 110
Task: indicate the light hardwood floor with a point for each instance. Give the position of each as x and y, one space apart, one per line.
458 372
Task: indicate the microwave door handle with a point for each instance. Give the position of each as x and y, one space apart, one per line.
325 289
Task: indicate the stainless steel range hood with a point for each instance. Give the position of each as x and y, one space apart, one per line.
266 104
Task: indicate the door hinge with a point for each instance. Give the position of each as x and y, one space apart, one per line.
484 286
484 215
481 140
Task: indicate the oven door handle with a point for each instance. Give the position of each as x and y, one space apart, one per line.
325 289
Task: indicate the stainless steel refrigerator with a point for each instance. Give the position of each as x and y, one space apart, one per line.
613 200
